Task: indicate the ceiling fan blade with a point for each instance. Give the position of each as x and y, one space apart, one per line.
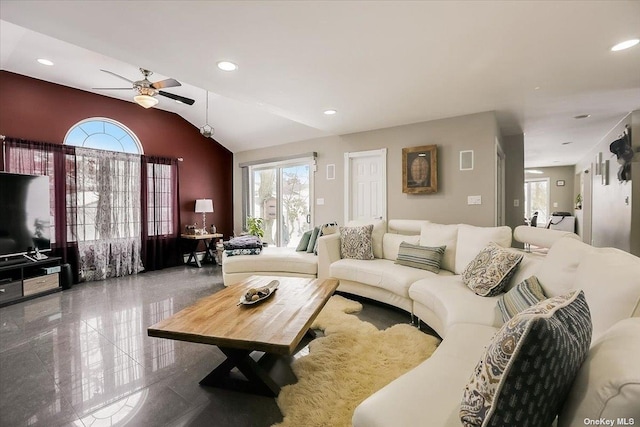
165 83
111 88
182 99
117 75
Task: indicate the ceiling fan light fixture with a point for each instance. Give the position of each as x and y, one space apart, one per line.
145 100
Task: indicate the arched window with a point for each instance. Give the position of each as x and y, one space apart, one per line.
103 134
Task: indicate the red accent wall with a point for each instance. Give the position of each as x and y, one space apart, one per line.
37 110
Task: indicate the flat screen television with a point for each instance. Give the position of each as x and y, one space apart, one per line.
25 221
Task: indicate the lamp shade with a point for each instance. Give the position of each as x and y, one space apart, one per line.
204 205
145 100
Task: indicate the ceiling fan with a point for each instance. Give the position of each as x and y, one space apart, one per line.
147 90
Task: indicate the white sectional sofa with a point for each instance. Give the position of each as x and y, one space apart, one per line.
430 394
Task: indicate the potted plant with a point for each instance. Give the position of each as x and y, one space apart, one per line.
255 227
579 201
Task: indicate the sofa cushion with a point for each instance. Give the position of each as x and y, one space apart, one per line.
471 240
557 272
522 296
379 228
610 279
429 394
380 273
355 242
391 244
528 267
432 234
489 272
272 259
527 370
452 302
608 383
423 257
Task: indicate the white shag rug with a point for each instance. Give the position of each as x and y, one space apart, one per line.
352 361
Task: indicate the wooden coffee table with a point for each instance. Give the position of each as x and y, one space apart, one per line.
274 326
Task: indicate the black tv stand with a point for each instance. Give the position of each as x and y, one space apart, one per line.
12 261
21 279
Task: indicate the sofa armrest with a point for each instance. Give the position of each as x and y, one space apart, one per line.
328 252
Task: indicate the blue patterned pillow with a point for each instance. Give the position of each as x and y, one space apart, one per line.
522 296
248 251
525 373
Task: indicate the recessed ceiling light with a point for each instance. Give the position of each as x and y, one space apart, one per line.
582 116
45 62
536 88
227 66
330 112
567 143
625 45
534 171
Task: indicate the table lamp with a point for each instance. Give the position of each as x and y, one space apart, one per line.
203 206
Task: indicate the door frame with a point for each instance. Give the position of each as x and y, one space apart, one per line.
278 166
348 156
499 189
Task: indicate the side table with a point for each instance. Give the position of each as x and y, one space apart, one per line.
193 240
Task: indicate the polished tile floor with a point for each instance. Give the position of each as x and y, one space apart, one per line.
82 357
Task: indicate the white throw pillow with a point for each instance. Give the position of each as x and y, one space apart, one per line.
471 240
391 244
441 235
608 382
379 228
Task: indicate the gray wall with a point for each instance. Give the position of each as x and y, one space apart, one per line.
564 197
476 132
610 214
513 147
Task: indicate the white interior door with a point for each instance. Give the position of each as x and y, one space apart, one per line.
365 185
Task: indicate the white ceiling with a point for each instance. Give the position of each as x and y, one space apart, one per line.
380 64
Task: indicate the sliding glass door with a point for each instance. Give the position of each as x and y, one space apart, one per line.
281 195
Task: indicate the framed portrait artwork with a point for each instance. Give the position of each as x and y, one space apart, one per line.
420 170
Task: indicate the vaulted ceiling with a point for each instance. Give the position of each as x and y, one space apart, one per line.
538 64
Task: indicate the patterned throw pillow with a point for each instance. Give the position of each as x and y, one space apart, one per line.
491 269
248 251
355 242
423 257
528 368
522 296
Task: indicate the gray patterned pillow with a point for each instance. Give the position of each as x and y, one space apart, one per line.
489 273
527 370
355 242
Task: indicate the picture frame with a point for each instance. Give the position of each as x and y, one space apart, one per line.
420 169
560 183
